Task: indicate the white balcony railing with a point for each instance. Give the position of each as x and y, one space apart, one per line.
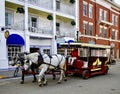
42 3
67 9
66 32
16 26
40 30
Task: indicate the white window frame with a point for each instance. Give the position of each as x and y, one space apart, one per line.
116 20
113 19
113 34
11 19
90 24
90 11
105 32
13 50
85 28
116 35
105 15
100 14
101 31
84 10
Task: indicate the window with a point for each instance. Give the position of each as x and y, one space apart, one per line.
105 32
90 29
84 28
13 50
113 34
85 9
116 35
90 11
116 20
100 33
32 21
113 21
100 14
57 4
46 51
105 15
8 19
58 28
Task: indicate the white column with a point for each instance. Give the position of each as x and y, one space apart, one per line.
26 34
3 48
77 17
2 13
54 44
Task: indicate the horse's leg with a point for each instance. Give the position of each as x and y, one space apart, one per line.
61 76
65 79
41 75
64 69
22 78
54 76
44 80
33 71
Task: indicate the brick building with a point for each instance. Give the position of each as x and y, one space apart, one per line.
99 23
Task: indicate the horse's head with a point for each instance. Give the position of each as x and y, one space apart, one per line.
18 58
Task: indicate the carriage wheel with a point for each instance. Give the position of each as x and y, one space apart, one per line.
86 74
106 70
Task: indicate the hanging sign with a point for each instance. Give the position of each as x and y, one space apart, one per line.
6 34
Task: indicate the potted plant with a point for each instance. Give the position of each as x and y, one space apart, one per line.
50 17
73 22
72 1
20 10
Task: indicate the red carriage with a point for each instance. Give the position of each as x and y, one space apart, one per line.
88 59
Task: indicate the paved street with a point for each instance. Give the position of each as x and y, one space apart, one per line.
103 84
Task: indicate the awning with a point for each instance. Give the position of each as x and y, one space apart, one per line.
69 39
65 40
15 39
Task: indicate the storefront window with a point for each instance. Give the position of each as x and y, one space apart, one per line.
13 50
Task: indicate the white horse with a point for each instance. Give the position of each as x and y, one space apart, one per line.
44 63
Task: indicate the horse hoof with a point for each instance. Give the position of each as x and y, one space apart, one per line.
34 81
45 84
40 85
22 82
65 79
59 82
54 78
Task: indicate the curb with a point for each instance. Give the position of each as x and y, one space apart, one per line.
3 77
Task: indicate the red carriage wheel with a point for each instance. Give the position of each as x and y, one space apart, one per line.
86 74
106 70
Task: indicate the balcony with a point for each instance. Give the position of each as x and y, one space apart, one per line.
16 26
42 3
66 9
106 23
40 30
65 32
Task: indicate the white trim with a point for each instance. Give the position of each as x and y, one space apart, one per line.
84 2
85 21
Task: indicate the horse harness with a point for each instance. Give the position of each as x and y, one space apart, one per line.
56 67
